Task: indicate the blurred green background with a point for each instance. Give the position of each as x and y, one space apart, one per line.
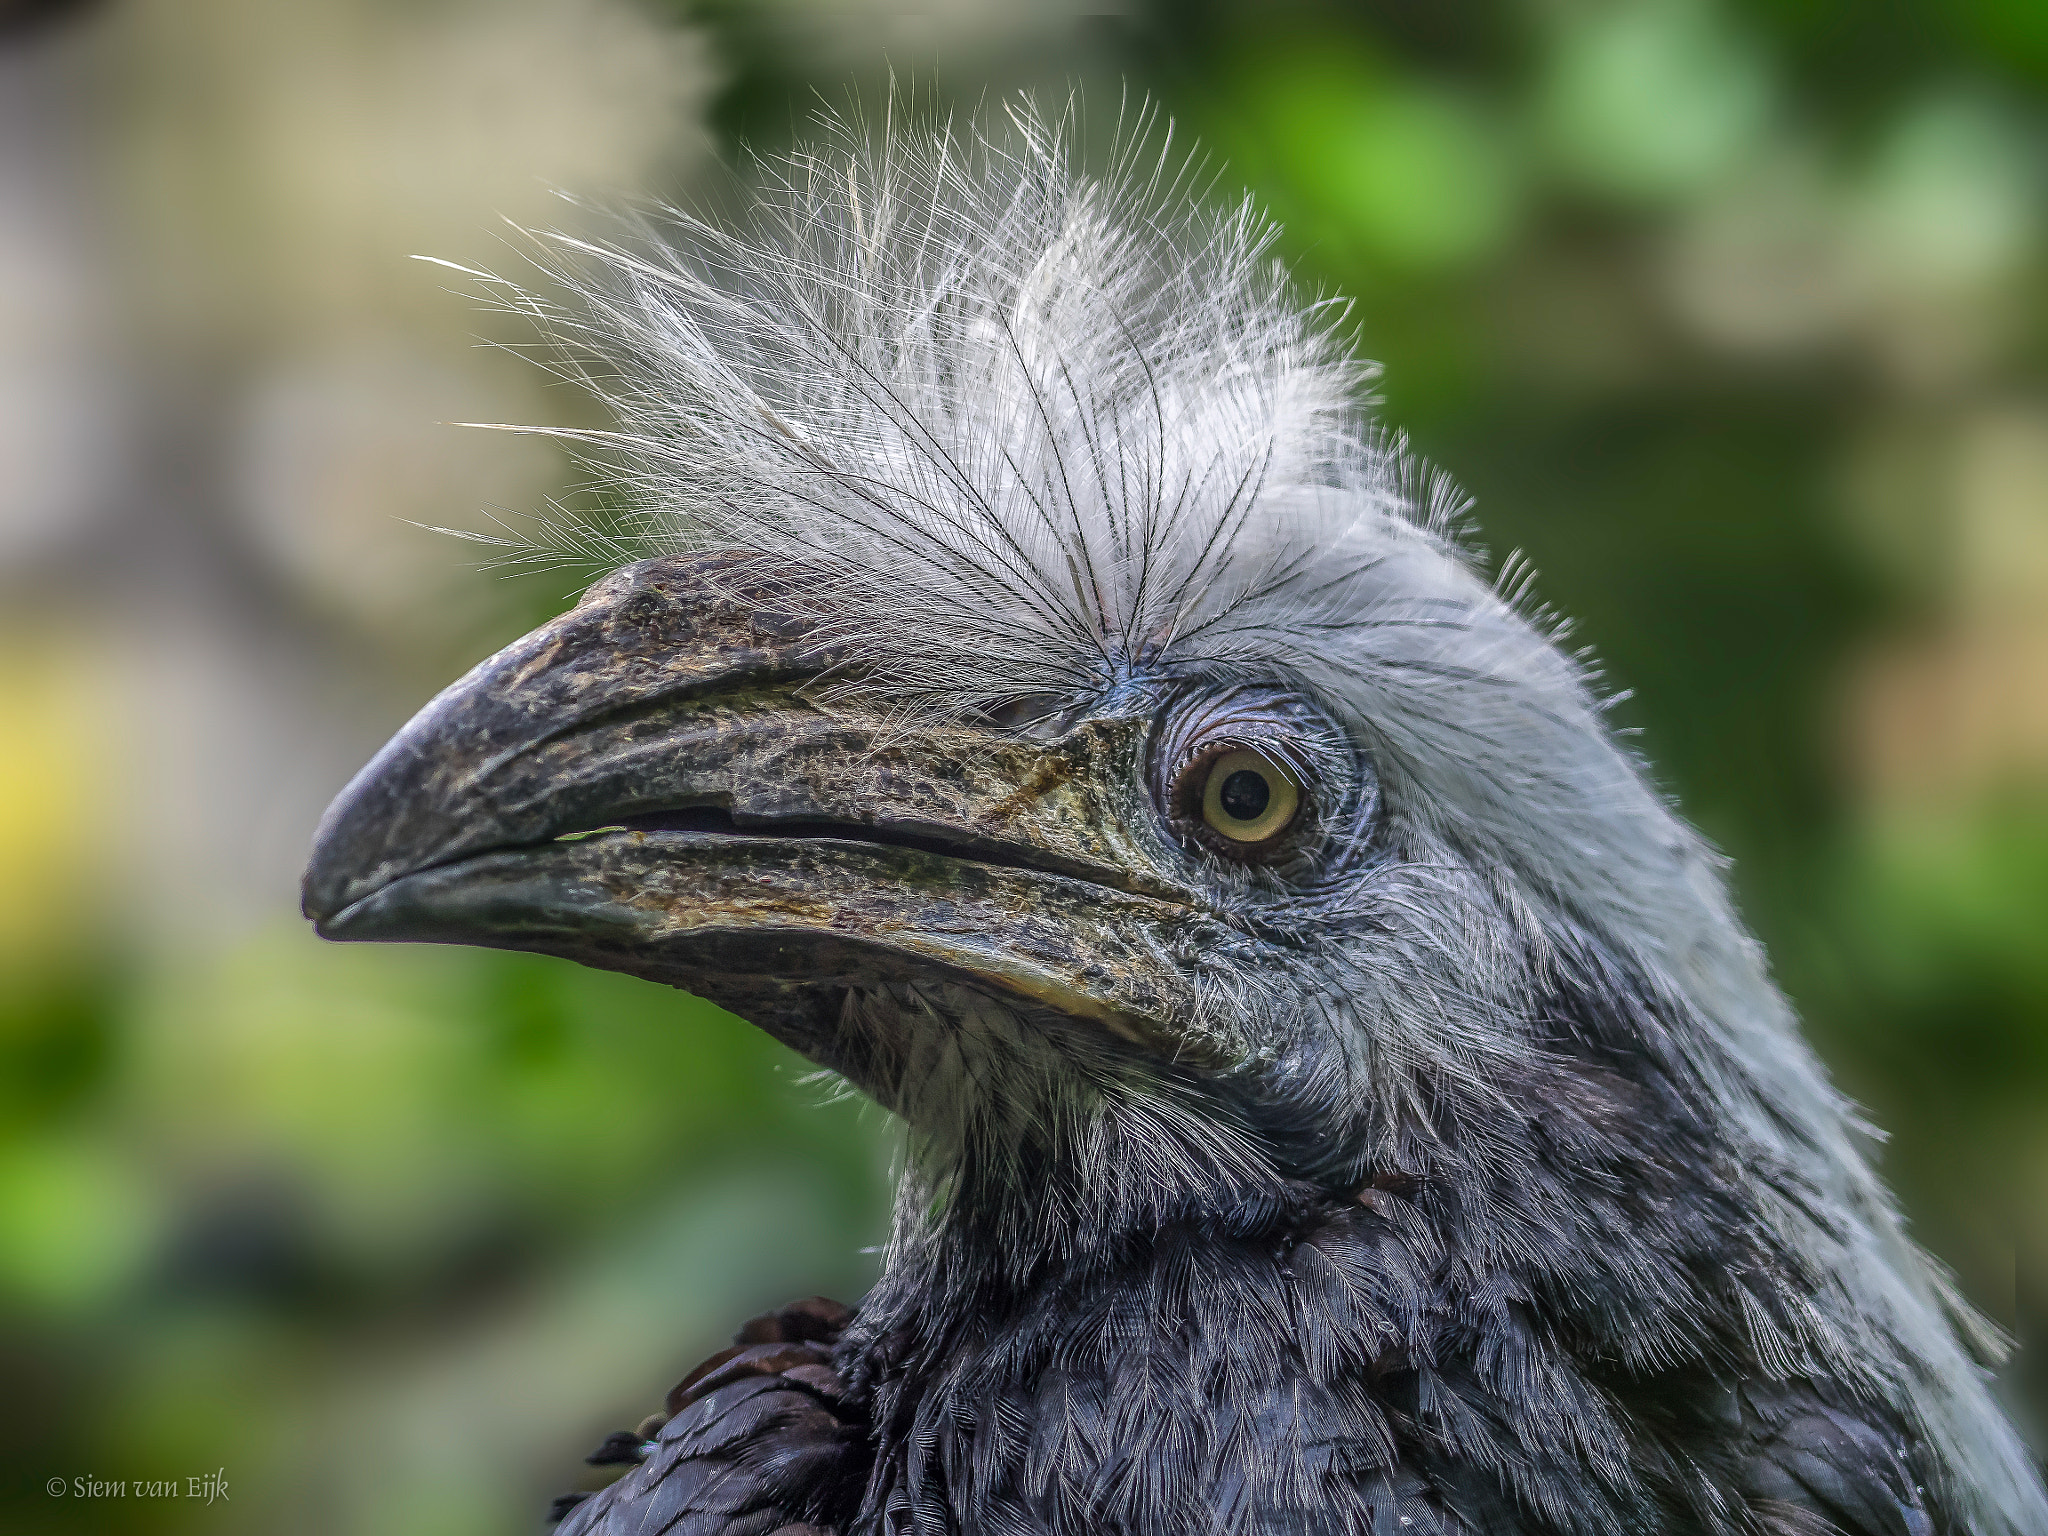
1733 316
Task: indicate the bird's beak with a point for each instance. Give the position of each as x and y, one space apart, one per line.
642 785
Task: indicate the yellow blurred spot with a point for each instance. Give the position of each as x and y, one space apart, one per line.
54 750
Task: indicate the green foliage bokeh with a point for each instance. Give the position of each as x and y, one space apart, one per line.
1728 313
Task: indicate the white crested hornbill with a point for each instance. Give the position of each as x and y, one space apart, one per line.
1340 1096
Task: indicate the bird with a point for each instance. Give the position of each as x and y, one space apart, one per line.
1027 680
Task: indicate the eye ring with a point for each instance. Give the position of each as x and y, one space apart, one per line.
1247 798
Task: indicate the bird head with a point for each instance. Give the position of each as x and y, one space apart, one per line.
1028 685
1031 687
1043 697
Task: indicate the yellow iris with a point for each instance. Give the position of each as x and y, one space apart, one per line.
1248 797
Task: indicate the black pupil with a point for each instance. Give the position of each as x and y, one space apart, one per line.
1245 795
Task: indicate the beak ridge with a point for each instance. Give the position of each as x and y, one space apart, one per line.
642 786
440 789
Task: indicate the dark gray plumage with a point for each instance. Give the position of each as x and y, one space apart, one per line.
1340 1096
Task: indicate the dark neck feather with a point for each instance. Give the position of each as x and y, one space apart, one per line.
1110 1314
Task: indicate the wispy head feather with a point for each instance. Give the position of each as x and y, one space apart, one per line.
1020 421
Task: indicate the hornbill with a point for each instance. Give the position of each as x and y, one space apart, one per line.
1339 1093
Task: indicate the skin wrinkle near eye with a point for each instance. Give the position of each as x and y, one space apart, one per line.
1337 790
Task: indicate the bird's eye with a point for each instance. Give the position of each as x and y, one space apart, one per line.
1249 798
1250 774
